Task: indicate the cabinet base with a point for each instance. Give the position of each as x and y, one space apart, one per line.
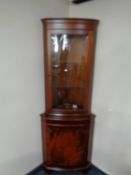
79 168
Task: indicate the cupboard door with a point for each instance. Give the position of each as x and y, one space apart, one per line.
66 144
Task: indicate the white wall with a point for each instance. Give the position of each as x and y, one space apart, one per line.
112 83
22 81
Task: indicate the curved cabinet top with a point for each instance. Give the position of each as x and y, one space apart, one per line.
70 23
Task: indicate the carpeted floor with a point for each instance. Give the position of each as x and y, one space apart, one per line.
93 171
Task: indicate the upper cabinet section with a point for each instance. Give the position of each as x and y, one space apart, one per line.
69 57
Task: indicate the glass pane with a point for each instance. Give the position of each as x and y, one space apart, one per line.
69 60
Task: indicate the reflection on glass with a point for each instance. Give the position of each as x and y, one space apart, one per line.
69 60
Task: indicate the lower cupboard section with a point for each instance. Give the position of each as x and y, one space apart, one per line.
66 143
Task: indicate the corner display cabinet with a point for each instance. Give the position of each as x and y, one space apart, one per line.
67 124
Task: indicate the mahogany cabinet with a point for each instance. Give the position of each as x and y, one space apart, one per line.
67 123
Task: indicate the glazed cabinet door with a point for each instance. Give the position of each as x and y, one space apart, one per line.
68 68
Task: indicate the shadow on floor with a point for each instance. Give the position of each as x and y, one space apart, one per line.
93 171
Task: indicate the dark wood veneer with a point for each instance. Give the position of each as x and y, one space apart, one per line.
67 129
